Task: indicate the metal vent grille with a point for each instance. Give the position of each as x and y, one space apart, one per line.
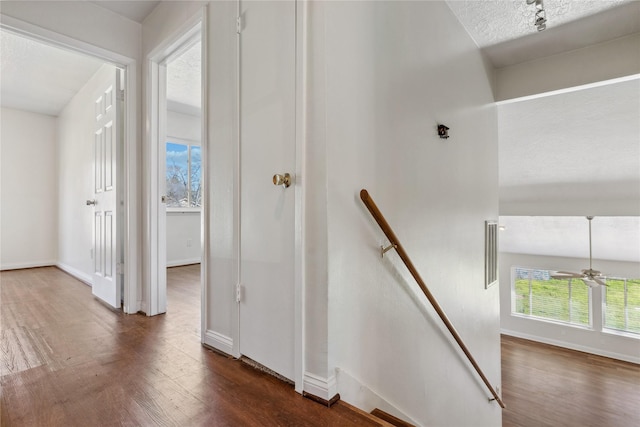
490 253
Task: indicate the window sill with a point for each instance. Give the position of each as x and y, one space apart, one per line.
623 334
184 210
553 322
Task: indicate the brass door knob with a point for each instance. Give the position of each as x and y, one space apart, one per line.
284 180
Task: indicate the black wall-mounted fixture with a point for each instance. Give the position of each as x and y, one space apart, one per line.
443 131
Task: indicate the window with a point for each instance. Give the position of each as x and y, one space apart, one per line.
183 173
538 295
622 305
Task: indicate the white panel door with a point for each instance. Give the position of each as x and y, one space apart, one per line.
107 252
267 211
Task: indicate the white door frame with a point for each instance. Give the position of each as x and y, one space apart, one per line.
302 13
129 170
155 243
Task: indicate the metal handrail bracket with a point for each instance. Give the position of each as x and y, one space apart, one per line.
394 243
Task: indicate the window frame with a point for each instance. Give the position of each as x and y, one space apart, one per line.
513 312
597 307
625 309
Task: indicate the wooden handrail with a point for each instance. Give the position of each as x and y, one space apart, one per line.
393 240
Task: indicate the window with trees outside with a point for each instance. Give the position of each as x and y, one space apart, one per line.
536 294
183 175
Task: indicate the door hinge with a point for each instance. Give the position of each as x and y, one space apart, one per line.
239 24
238 292
121 95
120 268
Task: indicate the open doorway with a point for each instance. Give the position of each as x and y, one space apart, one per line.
183 180
63 145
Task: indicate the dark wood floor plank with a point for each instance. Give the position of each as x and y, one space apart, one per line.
68 360
544 385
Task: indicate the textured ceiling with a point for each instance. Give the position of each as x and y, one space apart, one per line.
505 31
613 238
183 81
40 78
43 79
490 22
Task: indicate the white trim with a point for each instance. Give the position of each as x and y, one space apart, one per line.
129 173
30 264
218 341
571 346
237 205
155 236
324 388
180 262
152 193
58 40
80 275
569 89
129 170
178 211
300 373
205 228
183 141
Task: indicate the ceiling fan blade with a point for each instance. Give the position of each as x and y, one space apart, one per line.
566 275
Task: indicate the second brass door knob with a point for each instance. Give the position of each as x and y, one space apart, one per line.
284 180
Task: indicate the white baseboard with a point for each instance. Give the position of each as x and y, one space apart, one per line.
355 393
219 342
180 262
21 265
571 346
324 388
80 275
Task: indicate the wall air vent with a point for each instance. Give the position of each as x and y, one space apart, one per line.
490 253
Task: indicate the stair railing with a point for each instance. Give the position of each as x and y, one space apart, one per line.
394 243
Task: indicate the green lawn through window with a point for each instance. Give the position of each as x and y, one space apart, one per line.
615 317
539 295
549 299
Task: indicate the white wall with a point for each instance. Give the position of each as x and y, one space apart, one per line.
29 194
183 228
183 238
589 340
384 80
184 126
76 127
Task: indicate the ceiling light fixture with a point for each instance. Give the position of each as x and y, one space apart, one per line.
541 16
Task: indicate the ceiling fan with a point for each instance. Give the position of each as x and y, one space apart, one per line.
590 277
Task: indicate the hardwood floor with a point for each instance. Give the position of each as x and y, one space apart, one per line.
547 386
68 360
